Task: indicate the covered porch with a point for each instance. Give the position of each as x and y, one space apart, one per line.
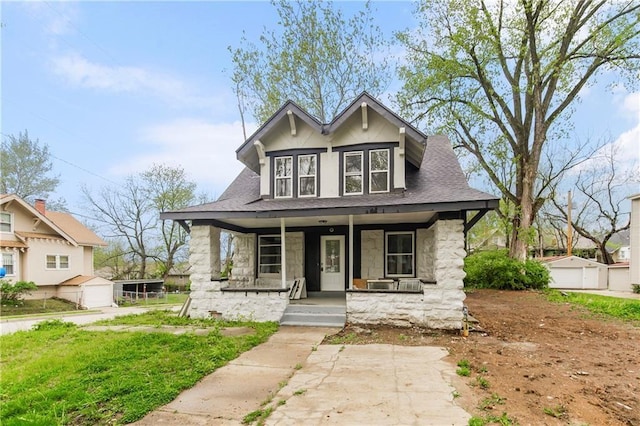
380 265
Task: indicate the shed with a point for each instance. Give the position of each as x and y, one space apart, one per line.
572 272
87 291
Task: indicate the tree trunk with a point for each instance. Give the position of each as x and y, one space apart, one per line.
524 216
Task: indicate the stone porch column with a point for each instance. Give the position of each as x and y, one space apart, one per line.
204 254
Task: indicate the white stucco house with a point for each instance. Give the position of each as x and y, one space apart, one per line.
366 207
52 249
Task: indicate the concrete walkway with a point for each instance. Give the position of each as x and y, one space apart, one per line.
311 384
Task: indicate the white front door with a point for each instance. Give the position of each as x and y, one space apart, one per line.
332 263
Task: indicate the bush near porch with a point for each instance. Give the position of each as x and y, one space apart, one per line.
496 270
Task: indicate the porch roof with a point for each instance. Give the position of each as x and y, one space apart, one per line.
437 186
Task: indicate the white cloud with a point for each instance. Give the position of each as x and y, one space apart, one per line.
57 18
206 151
79 71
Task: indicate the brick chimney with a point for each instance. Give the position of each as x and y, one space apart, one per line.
41 206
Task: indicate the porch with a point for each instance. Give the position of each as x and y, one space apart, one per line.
392 273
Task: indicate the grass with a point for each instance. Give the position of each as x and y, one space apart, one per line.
615 307
40 306
169 299
60 374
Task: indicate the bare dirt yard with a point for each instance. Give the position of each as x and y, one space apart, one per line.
534 362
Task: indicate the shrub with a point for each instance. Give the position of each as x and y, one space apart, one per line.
11 293
495 269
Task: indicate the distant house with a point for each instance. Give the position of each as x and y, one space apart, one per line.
366 208
52 249
619 246
634 241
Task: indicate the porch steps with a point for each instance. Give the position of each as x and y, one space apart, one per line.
314 315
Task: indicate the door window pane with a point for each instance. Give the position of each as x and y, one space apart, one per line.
332 256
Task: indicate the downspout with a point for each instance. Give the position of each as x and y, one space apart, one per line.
350 286
283 254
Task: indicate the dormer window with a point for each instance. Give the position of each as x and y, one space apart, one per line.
307 175
353 166
379 170
284 177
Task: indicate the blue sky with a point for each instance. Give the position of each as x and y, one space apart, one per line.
113 87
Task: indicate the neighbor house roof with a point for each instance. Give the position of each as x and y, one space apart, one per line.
438 185
79 232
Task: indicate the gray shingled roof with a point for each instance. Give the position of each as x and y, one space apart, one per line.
439 184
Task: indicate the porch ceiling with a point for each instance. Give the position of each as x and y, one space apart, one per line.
328 220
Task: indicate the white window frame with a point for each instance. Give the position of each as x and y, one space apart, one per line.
9 215
314 175
352 174
260 264
58 260
13 264
387 254
371 171
276 178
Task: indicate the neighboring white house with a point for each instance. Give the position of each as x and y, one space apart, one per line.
366 201
52 249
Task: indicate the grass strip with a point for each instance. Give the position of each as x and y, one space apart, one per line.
615 307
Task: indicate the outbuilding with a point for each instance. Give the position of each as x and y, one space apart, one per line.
572 272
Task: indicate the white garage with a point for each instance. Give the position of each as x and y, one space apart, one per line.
88 292
571 272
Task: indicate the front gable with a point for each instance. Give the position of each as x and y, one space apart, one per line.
363 151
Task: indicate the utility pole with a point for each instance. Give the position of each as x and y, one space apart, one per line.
569 226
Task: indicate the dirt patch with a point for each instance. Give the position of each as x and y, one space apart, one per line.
539 362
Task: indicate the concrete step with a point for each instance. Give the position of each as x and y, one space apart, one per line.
318 316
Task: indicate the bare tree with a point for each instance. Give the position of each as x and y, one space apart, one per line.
600 188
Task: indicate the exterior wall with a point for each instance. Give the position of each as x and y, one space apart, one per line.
208 301
294 245
244 264
619 278
36 260
329 174
425 252
577 273
634 261
440 257
372 254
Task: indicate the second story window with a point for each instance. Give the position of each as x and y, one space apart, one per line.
353 172
307 175
57 261
283 177
379 170
6 224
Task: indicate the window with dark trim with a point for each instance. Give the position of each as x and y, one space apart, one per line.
353 168
399 254
269 254
307 175
283 177
378 170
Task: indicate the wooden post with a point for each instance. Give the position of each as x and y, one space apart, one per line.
569 226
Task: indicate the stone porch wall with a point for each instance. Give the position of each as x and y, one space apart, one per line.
440 257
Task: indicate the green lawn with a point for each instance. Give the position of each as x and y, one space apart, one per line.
60 374
31 307
624 309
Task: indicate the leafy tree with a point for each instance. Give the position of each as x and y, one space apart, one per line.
317 58
12 293
130 213
26 169
501 79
